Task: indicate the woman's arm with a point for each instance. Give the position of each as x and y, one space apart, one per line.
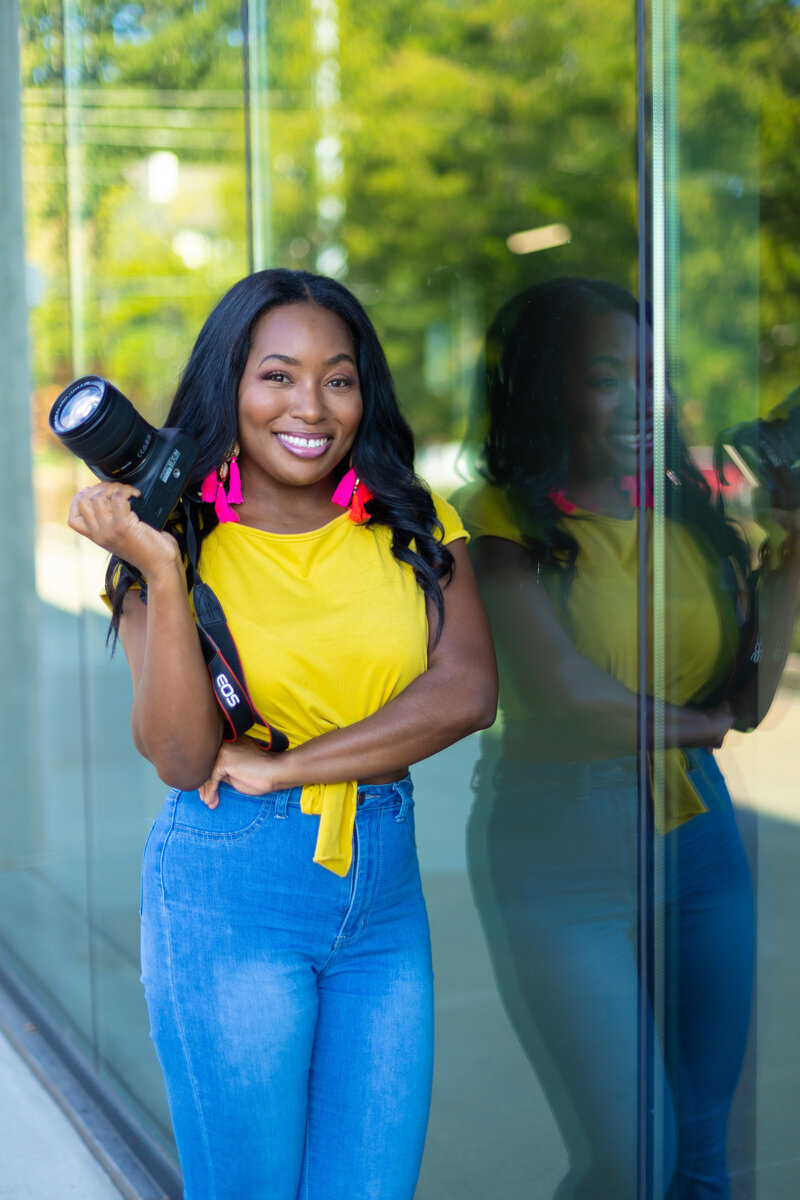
776 612
455 696
572 689
174 718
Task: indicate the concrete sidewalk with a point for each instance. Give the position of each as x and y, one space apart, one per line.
42 1156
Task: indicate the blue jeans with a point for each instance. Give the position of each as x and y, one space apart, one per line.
292 1010
554 867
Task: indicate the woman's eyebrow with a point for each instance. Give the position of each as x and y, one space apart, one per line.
295 362
606 358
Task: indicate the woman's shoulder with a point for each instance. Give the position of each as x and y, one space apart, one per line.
448 516
487 512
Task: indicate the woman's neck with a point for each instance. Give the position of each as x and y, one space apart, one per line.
607 497
278 508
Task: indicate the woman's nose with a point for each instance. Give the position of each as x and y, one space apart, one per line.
628 394
308 402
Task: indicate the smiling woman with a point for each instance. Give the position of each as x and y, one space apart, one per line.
285 946
562 547
299 403
601 389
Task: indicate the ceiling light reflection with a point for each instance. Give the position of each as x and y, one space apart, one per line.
543 238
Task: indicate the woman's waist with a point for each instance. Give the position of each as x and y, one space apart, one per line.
369 793
541 738
633 769
385 780
538 736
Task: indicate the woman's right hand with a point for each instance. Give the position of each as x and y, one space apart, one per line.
723 720
103 514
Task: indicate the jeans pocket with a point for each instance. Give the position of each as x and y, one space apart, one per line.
708 781
235 816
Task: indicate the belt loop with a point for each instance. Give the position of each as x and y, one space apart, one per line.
281 805
404 792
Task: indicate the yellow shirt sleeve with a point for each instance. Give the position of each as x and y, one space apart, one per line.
452 524
134 587
487 512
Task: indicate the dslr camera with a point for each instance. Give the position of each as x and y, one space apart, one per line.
101 426
767 452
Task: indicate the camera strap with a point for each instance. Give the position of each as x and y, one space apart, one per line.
222 658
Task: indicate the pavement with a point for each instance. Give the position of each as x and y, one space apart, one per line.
42 1157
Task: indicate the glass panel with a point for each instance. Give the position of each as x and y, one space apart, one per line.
731 321
159 155
441 158
136 220
43 897
408 145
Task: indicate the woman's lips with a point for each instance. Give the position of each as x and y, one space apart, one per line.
304 445
631 441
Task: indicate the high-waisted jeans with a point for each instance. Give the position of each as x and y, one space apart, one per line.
291 1009
554 867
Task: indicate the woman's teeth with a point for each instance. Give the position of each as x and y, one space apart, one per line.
304 447
631 441
303 443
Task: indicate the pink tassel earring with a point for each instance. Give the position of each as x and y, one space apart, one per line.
234 483
212 490
630 484
353 494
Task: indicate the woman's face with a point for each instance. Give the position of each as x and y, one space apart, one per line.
299 396
601 398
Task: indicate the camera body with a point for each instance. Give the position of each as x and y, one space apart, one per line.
101 426
767 452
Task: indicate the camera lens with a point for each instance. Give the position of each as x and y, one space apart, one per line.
78 407
101 426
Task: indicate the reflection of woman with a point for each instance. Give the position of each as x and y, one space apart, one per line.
556 828
286 958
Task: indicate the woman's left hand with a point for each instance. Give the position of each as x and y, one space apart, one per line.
244 767
782 527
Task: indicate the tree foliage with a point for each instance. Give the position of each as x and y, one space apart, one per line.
447 127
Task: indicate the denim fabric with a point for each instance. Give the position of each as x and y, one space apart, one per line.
291 1009
554 864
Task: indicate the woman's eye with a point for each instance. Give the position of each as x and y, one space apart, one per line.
276 376
341 381
602 381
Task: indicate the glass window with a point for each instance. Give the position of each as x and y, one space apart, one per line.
553 317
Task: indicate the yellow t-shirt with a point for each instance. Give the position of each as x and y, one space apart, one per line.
700 624
329 627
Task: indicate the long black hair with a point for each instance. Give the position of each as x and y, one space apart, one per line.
527 446
206 406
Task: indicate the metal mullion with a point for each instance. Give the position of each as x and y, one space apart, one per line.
644 1117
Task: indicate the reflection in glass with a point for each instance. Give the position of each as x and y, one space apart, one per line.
554 834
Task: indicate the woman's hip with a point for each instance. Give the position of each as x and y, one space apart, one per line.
245 870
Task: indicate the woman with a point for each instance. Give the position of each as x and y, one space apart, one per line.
285 948
556 834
